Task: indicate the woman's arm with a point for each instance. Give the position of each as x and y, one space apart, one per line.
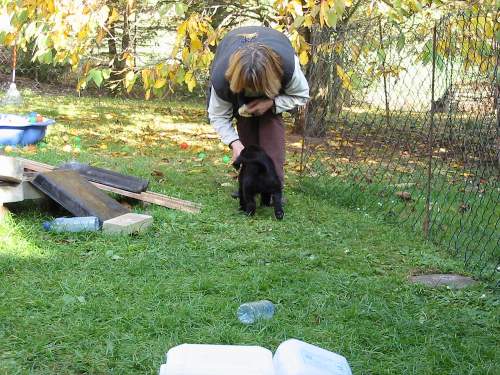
296 92
220 114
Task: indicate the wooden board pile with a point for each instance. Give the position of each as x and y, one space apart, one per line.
80 190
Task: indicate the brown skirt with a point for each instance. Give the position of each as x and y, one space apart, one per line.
267 131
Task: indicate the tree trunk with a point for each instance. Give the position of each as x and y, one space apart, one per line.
114 57
324 86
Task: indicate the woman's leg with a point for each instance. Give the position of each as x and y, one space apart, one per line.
272 140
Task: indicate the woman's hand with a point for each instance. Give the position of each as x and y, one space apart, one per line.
237 147
258 107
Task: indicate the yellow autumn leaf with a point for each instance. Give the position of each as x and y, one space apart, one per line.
346 80
303 57
145 77
310 3
114 16
74 59
60 56
323 13
83 33
129 59
160 83
82 83
86 68
190 81
308 20
195 44
9 38
185 54
49 4
212 37
181 30
100 36
206 58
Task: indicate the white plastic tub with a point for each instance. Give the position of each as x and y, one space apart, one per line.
294 357
191 359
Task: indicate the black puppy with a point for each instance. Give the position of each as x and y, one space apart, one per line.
258 176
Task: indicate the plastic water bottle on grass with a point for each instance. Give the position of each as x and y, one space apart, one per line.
250 312
73 224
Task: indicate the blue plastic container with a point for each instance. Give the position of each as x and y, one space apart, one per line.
18 131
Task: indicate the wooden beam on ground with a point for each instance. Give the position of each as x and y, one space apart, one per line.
146 196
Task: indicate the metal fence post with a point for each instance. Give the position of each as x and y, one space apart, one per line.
430 141
384 74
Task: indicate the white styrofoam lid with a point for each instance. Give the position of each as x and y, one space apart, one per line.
194 359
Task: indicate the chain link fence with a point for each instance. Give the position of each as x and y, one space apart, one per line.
33 75
411 114
405 118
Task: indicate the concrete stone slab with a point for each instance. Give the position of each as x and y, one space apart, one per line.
438 280
11 193
127 224
31 192
11 169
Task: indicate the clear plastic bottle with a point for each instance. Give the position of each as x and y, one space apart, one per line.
73 224
250 312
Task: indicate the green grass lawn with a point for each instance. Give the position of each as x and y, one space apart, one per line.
92 304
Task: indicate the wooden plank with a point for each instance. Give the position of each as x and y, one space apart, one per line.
35 165
147 196
155 198
77 195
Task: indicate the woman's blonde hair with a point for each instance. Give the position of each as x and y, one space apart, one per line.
255 67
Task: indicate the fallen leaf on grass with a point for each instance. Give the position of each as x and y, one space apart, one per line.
157 173
81 299
69 299
65 240
404 195
112 255
464 207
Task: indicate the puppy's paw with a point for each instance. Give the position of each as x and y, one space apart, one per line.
250 212
279 214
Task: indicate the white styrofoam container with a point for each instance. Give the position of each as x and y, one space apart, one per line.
194 359
163 369
294 357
